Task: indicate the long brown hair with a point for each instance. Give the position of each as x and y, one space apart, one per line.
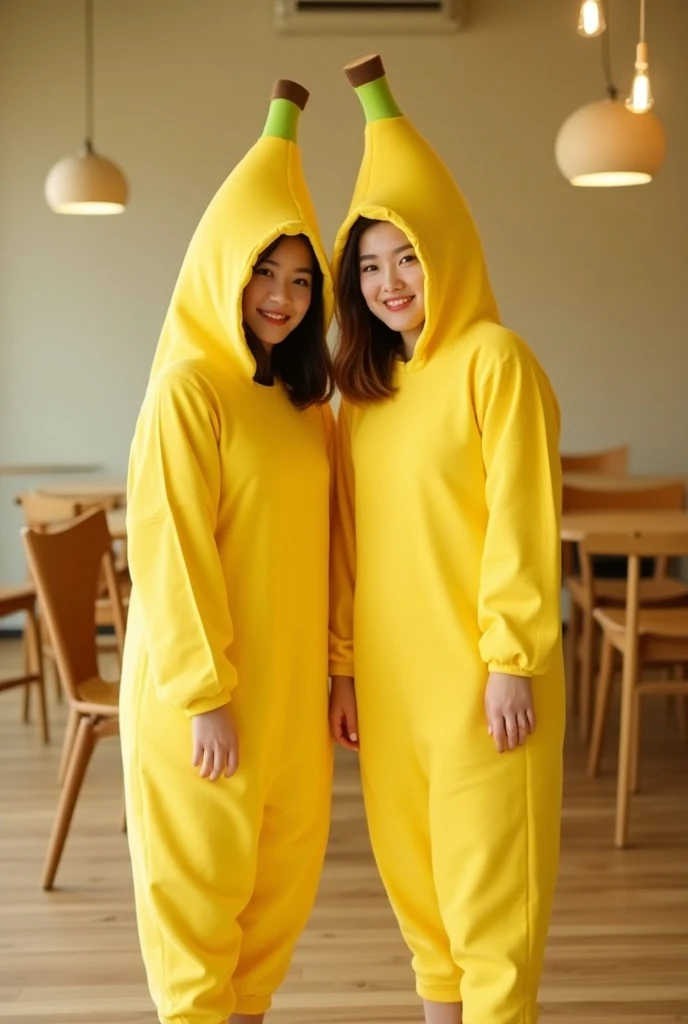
302 362
367 349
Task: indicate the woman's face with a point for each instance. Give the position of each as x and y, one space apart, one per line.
392 279
278 296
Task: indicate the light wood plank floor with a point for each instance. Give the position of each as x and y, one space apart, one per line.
618 950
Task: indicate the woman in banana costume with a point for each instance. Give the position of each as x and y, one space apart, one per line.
226 654
445 595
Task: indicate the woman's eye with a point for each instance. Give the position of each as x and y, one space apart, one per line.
367 269
303 282
265 271
409 258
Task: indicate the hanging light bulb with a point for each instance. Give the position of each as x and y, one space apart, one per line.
87 183
591 21
641 100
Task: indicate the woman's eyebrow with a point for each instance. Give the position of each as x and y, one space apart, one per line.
297 270
395 252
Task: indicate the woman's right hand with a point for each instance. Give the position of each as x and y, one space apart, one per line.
343 713
215 743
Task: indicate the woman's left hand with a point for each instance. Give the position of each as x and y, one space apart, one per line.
509 709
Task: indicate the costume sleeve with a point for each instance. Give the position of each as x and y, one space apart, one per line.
174 489
343 553
519 600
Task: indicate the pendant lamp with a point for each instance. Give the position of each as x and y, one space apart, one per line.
87 183
606 144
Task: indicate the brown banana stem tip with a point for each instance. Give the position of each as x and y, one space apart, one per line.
284 89
365 70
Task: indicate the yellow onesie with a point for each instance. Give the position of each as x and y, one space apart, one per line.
228 527
445 567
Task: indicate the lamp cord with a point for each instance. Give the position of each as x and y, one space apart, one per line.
612 90
88 25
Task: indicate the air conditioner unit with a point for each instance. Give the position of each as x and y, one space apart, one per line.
347 17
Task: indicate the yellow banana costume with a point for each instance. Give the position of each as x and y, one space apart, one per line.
228 527
446 567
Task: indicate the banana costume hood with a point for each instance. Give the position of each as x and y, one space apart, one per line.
228 540
264 197
403 180
446 568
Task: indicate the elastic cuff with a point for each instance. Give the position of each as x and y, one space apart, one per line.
438 993
253 1006
508 670
204 704
337 668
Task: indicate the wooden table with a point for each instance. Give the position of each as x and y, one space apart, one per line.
45 469
574 525
631 482
577 525
106 489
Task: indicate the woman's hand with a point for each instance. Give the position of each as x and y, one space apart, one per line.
215 743
509 709
343 714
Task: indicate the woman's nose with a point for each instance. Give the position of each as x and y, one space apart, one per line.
279 292
390 279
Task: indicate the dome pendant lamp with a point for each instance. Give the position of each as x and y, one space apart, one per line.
87 183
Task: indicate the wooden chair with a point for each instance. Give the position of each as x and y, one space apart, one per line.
46 511
607 462
66 564
612 462
586 595
643 637
14 600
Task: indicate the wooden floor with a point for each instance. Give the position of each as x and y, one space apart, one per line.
618 949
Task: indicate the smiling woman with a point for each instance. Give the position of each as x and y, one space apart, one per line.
392 280
285 287
228 521
379 266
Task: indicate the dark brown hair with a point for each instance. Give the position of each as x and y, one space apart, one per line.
302 362
367 349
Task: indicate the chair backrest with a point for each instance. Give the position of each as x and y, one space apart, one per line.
636 544
42 511
66 564
633 546
669 497
613 462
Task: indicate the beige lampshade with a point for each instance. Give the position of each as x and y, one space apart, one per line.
603 144
86 184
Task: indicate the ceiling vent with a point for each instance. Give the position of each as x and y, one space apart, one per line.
351 17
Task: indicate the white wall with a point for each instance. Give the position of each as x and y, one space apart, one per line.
592 278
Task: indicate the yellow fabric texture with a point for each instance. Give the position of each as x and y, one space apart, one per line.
228 530
446 566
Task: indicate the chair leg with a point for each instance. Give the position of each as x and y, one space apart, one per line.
635 750
680 704
123 820
57 682
26 696
68 744
26 704
630 662
572 639
34 664
585 684
81 755
604 687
